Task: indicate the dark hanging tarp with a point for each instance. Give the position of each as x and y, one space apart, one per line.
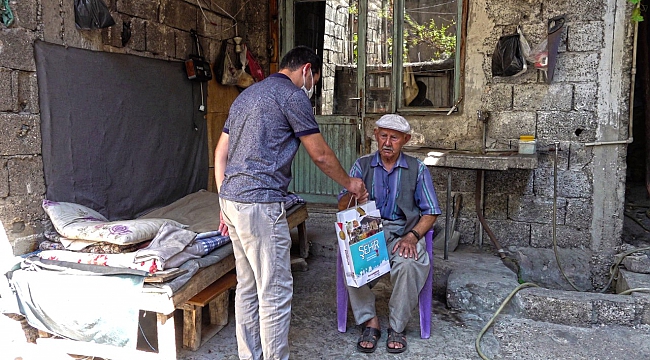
122 134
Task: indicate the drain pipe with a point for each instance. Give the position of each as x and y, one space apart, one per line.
630 133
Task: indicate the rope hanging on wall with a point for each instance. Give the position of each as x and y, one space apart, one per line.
6 13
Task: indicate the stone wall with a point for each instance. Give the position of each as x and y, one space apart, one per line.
586 102
159 29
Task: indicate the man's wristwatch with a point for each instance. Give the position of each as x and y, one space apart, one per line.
415 233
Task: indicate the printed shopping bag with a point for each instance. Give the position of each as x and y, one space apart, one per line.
362 244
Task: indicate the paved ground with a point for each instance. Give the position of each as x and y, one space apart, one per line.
314 334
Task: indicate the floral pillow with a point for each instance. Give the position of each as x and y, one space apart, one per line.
75 221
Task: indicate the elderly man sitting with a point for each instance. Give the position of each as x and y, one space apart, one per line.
402 188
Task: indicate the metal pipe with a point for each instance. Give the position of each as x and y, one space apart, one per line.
630 125
501 150
479 213
481 178
448 216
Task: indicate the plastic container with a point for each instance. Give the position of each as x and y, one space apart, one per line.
527 144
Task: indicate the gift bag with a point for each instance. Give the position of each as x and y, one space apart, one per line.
362 244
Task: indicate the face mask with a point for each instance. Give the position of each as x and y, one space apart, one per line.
309 92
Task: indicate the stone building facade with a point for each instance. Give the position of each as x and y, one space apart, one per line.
585 107
587 102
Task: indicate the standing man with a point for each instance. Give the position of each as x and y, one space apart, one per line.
267 123
402 188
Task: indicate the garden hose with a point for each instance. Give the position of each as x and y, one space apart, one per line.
554 219
613 269
629 291
5 13
491 321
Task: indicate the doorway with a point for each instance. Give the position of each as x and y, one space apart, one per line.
636 224
339 118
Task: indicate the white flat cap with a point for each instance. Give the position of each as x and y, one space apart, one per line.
394 122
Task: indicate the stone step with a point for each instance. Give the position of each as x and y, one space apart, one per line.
477 284
632 280
514 338
583 309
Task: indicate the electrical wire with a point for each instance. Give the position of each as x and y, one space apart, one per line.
145 337
554 219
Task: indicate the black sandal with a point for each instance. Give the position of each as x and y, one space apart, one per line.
370 335
395 337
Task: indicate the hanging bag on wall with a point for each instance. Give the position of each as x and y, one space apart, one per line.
220 60
226 70
92 14
509 58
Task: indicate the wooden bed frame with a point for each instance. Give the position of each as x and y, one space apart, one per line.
164 306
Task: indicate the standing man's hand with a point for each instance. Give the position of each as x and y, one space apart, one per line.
223 228
358 189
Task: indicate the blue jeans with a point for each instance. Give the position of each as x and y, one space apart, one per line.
261 241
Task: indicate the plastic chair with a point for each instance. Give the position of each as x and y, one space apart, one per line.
424 299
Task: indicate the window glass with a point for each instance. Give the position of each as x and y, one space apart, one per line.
426 57
429 53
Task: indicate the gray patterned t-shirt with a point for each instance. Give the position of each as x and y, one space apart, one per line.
264 124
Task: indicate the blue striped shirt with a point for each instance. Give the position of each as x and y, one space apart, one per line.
385 188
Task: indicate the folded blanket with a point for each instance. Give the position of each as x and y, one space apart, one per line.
210 243
125 260
198 248
293 200
169 241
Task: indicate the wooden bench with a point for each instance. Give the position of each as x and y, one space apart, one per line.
296 217
216 296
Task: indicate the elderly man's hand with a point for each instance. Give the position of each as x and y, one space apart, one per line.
407 246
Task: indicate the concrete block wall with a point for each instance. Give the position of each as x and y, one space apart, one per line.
159 29
587 102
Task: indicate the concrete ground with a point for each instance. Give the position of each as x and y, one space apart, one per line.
314 334
473 283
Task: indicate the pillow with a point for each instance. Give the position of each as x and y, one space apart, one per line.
75 221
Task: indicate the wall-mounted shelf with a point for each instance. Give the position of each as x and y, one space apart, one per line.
472 160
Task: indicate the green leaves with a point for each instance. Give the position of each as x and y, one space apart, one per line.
430 33
636 13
